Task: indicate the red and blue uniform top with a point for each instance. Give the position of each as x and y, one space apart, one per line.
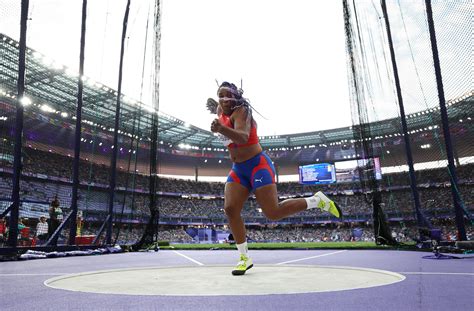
253 137
255 172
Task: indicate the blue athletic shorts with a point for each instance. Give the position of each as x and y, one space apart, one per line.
253 173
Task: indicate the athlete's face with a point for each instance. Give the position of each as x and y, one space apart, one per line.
226 100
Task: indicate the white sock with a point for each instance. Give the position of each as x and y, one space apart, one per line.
243 248
312 202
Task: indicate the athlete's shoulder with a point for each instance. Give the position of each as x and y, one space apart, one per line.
240 112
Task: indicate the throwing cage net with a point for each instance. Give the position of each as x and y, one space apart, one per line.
403 59
93 182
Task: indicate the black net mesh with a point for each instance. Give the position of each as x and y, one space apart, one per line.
50 114
382 202
377 116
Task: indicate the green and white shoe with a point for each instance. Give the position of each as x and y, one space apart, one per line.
243 265
328 205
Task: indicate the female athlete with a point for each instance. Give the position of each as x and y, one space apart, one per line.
252 170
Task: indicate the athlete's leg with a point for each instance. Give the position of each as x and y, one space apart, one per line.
263 183
267 198
235 196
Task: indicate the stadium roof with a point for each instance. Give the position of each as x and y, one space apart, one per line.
56 86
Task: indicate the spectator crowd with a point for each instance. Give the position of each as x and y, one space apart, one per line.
185 199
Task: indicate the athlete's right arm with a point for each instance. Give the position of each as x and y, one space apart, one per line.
241 131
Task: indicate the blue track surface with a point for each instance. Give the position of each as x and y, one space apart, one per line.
429 284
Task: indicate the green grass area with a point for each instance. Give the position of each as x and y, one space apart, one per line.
296 245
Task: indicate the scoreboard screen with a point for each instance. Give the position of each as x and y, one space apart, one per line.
321 173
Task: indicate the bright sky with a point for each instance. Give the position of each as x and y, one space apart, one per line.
290 56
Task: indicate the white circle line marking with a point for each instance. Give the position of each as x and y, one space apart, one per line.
306 258
188 258
399 278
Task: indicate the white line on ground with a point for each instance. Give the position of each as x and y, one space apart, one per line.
189 258
438 273
30 274
301 259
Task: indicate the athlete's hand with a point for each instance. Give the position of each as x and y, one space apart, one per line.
216 126
211 105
